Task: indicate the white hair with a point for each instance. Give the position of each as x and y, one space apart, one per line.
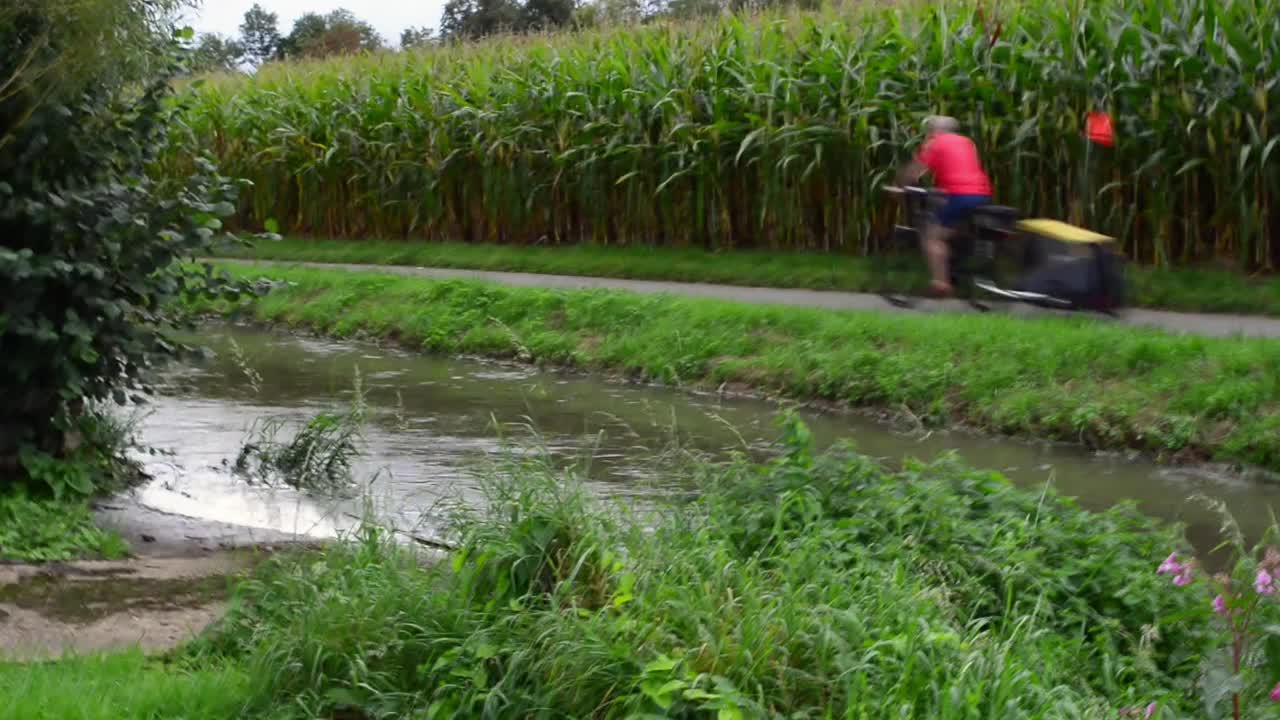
940 124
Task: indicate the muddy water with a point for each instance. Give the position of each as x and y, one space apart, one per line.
430 419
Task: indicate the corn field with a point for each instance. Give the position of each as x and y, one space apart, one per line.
774 131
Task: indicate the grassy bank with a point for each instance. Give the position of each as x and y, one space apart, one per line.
795 589
800 588
806 586
1199 290
1071 379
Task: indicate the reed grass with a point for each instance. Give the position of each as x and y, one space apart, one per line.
773 131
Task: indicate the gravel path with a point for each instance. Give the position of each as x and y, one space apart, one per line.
1219 325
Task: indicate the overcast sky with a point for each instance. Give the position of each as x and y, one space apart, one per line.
388 17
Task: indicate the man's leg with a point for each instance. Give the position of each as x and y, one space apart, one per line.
936 236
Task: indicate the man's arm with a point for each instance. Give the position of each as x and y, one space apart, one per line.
910 173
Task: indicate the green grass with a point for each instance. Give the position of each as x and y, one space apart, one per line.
123 686
1201 290
43 530
46 517
810 587
1076 379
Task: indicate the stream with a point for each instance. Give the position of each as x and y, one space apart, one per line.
431 419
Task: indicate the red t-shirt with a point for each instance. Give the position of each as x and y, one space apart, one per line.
953 160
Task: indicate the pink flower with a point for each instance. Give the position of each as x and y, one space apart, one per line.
1181 571
1133 711
1263 583
1220 605
1275 693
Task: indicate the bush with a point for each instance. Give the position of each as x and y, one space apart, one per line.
88 240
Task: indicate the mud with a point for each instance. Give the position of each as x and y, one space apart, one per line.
81 607
177 584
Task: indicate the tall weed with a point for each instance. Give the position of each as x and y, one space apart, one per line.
318 454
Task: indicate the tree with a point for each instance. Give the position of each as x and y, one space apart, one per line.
548 14
416 37
473 19
88 239
689 9
351 34
593 13
307 30
216 53
260 34
337 33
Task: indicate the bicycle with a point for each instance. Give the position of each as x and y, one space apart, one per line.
998 255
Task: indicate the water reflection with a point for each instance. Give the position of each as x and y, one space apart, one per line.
431 419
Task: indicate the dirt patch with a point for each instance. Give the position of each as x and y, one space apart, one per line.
176 585
86 593
155 603
26 635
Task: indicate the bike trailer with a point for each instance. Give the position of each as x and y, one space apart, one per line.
1071 264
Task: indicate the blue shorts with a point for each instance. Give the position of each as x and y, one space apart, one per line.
959 208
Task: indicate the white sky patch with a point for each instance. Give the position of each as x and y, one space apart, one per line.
388 17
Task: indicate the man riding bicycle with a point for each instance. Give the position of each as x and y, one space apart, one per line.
953 160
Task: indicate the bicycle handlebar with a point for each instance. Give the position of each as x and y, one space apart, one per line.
903 189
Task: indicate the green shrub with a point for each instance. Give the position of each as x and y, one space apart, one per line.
88 238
